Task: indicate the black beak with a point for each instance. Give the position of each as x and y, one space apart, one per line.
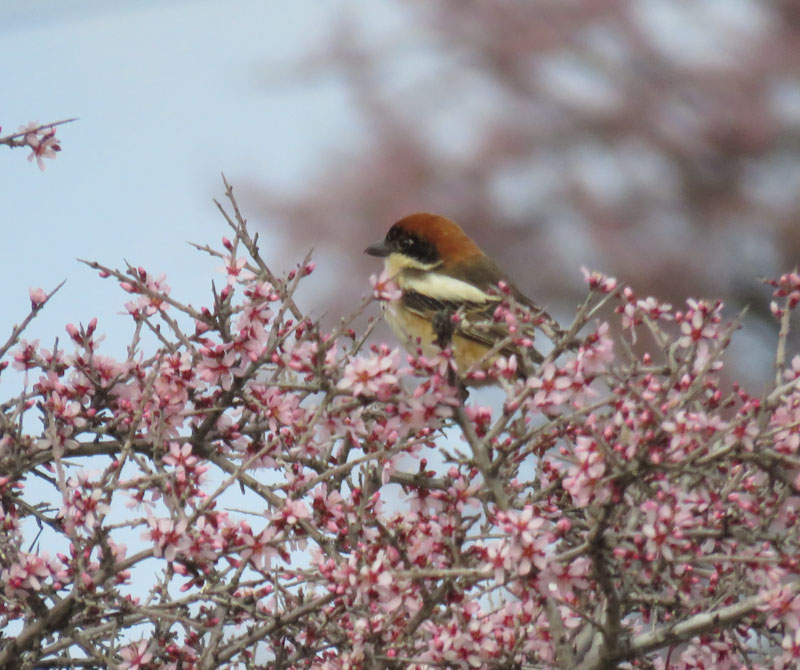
378 249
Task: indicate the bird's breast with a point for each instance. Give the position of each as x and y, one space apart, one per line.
416 334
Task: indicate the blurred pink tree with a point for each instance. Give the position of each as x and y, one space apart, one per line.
657 140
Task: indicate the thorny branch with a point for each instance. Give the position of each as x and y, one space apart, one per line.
294 494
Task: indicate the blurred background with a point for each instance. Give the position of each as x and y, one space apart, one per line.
654 140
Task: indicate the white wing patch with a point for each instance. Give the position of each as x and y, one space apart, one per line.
443 287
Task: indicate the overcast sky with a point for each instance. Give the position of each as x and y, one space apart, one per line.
168 95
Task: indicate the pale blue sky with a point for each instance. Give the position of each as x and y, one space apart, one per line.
169 94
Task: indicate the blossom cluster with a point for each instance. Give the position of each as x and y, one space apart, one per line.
40 139
258 491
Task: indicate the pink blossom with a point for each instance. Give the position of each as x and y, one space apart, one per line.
791 647
217 364
206 538
384 288
505 367
700 321
260 549
598 281
786 422
189 474
277 407
135 656
152 291
782 606
562 581
373 375
85 503
793 372
291 513
303 357
597 353
68 411
551 386
663 528
38 297
28 573
788 286
428 406
463 494
234 270
529 537
25 355
169 537
584 476
655 309
42 141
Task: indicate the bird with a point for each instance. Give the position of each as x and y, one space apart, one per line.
442 274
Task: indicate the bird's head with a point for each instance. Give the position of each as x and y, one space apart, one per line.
425 241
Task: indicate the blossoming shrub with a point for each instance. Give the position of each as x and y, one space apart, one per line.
257 492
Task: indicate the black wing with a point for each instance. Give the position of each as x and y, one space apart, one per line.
477 323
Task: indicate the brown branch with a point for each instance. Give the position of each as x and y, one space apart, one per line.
12 141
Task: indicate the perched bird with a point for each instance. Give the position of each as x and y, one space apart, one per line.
441 272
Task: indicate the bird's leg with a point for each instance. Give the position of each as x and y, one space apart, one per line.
444 327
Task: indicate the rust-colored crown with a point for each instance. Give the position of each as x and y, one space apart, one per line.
452 244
